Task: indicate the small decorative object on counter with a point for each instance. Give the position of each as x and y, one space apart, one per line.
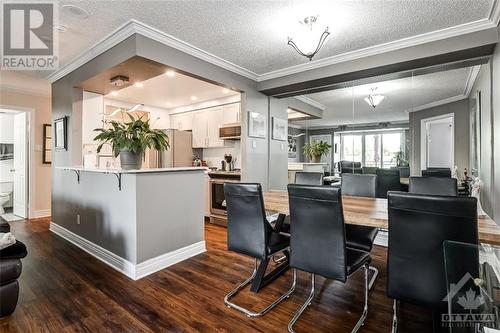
196 161
130 140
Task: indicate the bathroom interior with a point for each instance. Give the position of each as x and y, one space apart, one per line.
6 162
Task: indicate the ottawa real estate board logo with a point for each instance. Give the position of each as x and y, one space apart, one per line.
28 38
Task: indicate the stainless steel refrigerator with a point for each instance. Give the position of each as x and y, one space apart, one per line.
180 153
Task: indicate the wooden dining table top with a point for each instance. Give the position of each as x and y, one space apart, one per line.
373 212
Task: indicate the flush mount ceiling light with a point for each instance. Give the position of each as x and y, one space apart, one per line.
374 99
75 11
194 98
139 84
306 41
225 91
170 73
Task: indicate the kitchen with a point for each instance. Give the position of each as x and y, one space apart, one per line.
202 121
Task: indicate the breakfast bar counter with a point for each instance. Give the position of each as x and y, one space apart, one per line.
136 221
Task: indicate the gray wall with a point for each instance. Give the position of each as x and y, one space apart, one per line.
488 81
278 150
460 109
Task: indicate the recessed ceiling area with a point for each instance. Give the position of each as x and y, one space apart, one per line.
253 34
170 90
347 105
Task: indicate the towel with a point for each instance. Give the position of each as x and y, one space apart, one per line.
6 239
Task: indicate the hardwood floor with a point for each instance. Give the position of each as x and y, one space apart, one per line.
64 289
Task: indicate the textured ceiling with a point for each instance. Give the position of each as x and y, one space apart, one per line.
176 91
253 34
347 106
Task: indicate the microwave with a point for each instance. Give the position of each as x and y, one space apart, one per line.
230 131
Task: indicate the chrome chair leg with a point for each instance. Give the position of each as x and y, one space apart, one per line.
249 313
304 306
374 277
395 317
361 320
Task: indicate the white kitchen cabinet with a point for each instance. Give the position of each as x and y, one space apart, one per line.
200 129
214 122
231 113
182 121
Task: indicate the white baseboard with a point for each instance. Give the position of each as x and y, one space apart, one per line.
124 266
41 213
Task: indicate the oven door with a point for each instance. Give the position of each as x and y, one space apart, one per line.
217 198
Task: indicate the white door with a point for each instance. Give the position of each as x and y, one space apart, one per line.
326 158
20 165
438 146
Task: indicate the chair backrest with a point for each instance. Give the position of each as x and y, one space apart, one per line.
308 178
359 185
350 167
436 172
418 226
247 227
433 186
387 180
369 170
317 243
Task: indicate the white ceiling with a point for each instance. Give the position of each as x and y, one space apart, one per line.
347 106
171 92
253 34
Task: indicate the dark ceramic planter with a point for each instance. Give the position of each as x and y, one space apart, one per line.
130 160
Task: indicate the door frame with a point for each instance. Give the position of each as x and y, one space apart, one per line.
31 152
423 138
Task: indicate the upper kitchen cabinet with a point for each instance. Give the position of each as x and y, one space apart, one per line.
206 125
200 129
231 113
215 120
182 121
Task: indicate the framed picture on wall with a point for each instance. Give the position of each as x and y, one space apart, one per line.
47 144
61 133
256 125
279 129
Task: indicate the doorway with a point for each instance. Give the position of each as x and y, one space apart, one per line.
14 164
437 142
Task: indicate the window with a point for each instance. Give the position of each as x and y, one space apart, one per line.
371 148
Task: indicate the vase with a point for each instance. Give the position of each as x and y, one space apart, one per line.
130 160
316 158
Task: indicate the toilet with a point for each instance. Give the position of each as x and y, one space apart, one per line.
5 194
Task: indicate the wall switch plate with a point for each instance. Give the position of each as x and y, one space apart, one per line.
254 144
77 218
282 146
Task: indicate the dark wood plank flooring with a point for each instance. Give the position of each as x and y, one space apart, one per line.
64 289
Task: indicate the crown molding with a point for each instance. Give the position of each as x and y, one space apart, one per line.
136 27
471 80
24 90
311 102
437 103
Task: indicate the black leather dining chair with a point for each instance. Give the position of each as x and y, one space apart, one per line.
350 167
309 178
433 186
249 233
418 226
318 244
387 180
359 236
436 172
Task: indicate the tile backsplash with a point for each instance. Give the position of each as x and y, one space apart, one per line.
214 156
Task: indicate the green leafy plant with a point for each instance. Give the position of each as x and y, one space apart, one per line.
135 136
401 160
316 149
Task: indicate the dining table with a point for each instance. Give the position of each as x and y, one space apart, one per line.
373 212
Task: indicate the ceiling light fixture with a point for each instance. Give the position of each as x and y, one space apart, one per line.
170 73
225 90
114 93
374 99
75 11
305 42
168 104
194 98
139 84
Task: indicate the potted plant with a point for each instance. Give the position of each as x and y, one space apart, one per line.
130 139
401 160
316 149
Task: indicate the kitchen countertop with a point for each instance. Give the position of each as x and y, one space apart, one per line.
152 170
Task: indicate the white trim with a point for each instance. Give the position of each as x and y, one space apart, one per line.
168 259
40 213
437 103
423 138
133 271
311 102
471 79
136 27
